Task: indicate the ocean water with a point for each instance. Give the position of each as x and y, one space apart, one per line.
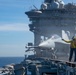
8 60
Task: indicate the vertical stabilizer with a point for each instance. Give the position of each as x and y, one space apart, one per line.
64 35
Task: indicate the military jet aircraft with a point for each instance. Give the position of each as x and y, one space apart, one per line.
55 42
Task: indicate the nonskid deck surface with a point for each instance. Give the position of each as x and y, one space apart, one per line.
41 66
46 66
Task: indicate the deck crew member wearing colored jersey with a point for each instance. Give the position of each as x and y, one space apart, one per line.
72 48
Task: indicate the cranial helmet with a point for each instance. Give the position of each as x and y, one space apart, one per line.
74 37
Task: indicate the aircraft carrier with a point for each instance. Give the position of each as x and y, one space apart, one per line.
53 17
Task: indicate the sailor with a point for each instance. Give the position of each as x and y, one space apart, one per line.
72 48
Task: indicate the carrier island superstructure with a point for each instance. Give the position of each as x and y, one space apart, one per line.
53 17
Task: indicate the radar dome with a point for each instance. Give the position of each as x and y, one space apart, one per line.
44 6
54 5
61 4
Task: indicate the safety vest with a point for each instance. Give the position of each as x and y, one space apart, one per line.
74 44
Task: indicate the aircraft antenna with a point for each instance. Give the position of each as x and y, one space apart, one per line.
72 1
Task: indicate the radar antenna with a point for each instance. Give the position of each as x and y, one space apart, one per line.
35 7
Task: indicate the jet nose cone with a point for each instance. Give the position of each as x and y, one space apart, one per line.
43 45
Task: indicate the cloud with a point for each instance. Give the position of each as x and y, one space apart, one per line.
14 27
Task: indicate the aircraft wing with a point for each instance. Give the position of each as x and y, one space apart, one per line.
62 46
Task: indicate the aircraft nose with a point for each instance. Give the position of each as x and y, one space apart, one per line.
43 45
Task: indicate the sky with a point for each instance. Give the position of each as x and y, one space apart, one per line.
14 30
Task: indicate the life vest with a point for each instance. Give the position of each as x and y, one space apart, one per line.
74 43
